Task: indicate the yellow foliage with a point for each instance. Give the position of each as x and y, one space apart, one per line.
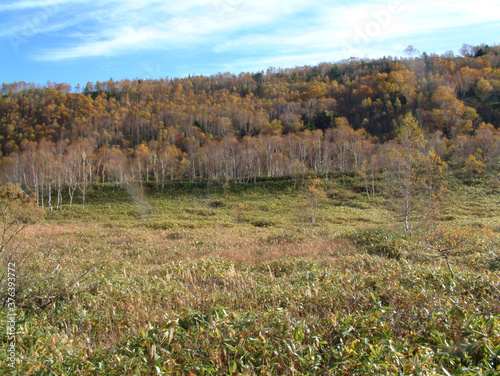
473 166
273 128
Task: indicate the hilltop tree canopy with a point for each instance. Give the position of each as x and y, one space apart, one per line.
447 94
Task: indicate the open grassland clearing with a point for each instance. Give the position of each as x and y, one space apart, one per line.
238 279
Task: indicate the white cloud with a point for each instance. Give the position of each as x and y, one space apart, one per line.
359 29
125 40
283 31
36 4
152 24
30 27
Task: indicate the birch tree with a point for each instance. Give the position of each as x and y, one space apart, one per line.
405 163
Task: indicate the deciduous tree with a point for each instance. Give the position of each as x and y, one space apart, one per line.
403 179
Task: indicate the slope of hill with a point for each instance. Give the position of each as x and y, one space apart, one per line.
446 93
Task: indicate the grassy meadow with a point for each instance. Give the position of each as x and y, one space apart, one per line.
259 278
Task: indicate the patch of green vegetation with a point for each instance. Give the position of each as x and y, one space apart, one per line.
380 242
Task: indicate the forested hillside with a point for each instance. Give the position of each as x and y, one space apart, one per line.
226 126
333 220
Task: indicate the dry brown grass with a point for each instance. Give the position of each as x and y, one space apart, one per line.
150 246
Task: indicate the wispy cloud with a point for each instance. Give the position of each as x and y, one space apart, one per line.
34 4
365 28
28 27
272 30
123 41
152 24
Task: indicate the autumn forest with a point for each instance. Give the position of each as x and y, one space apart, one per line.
334 116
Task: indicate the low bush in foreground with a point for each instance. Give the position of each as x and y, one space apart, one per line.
351 314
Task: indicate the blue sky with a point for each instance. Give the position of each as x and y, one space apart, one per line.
76 41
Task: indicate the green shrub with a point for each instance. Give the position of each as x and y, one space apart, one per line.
262 223
379 242
494 261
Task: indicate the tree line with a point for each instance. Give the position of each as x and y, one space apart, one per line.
46 168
